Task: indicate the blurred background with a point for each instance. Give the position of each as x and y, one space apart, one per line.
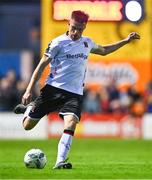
118 91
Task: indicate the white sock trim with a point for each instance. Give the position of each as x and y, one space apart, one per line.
28 109
70 113
26 114
33 119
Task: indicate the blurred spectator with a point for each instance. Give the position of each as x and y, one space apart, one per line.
104 100
8 95
115 106
11 91
133 94
34 42
11 77
113 91
21 87
138 108
148 89
91 102
149 103
125 100
148 97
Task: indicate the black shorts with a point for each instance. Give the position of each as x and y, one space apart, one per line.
52 99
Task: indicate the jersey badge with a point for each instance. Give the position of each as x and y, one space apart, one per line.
85 44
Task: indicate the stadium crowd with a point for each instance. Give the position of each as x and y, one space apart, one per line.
108 99
11 91
111 99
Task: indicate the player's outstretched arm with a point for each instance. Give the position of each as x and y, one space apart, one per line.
35 77
107 49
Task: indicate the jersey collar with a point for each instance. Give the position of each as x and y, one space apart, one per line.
67 35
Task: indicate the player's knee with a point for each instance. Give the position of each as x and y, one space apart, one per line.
27 126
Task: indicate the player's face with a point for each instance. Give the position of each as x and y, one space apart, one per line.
76 29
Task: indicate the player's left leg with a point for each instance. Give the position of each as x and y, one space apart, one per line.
28 122
70 122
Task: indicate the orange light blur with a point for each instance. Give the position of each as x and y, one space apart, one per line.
97 10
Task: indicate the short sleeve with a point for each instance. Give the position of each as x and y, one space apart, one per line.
52 49
92 44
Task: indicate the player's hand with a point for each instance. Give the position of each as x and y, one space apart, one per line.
26 99
133 36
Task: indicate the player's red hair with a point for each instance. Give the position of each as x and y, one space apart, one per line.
80 16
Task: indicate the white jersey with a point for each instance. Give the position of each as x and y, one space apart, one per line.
68 65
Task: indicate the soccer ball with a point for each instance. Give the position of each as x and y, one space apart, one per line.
35 158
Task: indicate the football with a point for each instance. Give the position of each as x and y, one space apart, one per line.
35 158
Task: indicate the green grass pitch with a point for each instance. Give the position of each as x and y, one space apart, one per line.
91 159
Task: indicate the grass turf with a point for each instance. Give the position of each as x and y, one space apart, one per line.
91 159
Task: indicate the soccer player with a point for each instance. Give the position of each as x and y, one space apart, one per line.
63 91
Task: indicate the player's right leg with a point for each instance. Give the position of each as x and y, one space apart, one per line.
71 113
70 122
